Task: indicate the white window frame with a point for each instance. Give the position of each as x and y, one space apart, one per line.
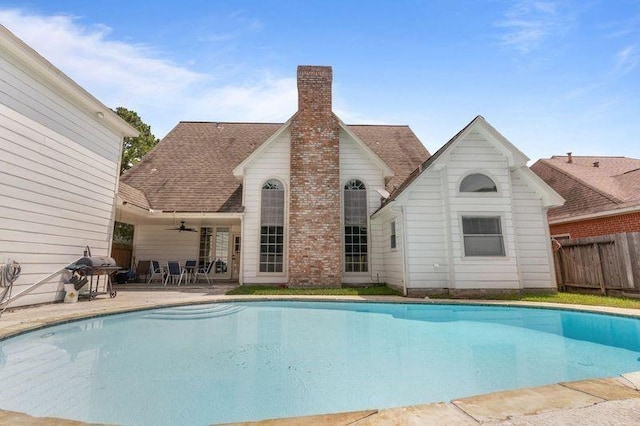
284 230
342 218
500 219
478 194
393 237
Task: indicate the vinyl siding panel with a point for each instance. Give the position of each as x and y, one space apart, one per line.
426 233
273 164
533 245
56 195
392 258
28 94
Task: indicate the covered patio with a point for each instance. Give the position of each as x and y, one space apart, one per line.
206 246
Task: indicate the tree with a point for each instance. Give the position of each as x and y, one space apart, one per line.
134 148
132 151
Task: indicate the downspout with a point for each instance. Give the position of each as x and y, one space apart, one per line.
241 254
405 264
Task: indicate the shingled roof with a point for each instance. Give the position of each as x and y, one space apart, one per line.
591 184
191 169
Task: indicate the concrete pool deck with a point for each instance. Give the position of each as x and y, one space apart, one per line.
595 402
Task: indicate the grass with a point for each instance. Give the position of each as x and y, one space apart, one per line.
585 299
378 290
563 298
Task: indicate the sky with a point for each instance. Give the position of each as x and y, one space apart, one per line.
551 76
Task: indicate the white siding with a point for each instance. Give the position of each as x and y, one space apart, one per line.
56 194
532 244
356 164
425 211
272 164
28 94
392 258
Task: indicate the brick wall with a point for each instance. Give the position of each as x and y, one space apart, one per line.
600 226
315 243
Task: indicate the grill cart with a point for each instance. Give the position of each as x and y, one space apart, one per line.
91 269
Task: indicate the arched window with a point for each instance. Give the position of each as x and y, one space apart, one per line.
355 227
478 183
272 227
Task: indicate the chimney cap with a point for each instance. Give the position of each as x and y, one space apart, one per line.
570 158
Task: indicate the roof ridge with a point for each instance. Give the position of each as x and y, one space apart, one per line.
577 179
228 122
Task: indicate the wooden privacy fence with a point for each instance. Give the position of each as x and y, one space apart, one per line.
603 264
121 253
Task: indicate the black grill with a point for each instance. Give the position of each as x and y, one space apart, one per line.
94 265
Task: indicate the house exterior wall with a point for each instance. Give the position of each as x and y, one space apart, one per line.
58 177
315 249
426 233
532 236
391 258
433 208
272 164
475 154
159 242
629 222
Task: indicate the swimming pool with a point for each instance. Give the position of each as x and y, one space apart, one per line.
229 362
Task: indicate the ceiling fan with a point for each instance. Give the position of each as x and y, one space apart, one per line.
182 228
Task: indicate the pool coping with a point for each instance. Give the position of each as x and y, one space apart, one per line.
588 396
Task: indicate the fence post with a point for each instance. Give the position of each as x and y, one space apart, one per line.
598 268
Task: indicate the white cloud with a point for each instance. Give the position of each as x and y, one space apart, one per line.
139 78
627 60
528 24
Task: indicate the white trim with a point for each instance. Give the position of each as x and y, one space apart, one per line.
549 196
66 86
588 216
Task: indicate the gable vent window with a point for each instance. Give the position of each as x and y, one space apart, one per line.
272 227
355 227
478 183
482 236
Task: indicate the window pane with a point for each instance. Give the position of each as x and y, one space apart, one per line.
483 245
477 183
355 226
272 227
481 225
482 236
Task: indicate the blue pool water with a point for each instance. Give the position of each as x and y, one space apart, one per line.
246 361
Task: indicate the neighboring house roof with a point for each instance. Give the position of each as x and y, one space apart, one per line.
515 159
191 169
613 185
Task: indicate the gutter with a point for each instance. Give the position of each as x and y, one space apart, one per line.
596 215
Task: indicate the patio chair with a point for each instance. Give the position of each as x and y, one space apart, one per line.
175 270
190 269
204 271
142 270
156 271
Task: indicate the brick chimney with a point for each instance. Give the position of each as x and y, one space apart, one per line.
315 234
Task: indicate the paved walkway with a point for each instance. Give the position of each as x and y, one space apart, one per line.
611 401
